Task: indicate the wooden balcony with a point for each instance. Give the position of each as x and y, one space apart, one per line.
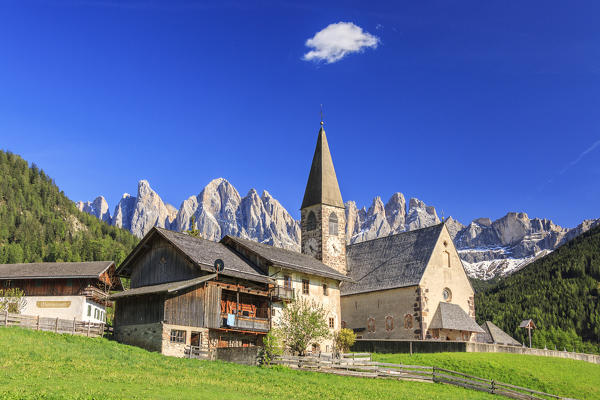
281 293
245 323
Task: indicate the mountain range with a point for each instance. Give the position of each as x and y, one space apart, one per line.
488 248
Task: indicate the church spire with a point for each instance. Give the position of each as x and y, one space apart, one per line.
322 186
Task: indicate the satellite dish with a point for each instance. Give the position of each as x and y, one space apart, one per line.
219 265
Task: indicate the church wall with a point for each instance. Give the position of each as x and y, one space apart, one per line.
331 302
438 276
395 305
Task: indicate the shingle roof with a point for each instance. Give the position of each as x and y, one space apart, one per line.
54 270
163 288
493 334
451 316
390 262
322 185
288 258
203 253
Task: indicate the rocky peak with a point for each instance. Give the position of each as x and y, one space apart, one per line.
420 215
98 208
395 212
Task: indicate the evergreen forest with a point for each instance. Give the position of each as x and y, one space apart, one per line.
39 223
559 292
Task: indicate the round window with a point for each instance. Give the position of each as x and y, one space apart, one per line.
447 294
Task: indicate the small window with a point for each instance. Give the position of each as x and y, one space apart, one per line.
287 282
408 321
177 336
333 224
371 325
69 282
89 311
331 322
447 294
343 324
305 286
447 259
311 222
7 283
325 290
95 313
389 323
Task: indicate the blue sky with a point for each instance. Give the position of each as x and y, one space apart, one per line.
477 108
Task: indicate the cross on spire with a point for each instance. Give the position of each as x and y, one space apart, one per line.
321 114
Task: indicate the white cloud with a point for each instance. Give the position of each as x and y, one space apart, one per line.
337 41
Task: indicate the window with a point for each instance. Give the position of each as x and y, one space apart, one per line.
331 322
95 313
287 282
447 294
305 286
408 321
69 282
311 222
389 323
343 324
89 310
325 290
333 224
6 283
371 325
38 283
447 259
177 336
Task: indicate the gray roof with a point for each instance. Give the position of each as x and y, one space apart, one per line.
390 262
54 270
203 253
322 185
493 334
163 288
451 316
288 258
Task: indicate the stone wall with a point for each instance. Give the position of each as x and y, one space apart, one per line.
238 355
178 349
146 336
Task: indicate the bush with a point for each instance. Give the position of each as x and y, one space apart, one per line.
344 339
271 348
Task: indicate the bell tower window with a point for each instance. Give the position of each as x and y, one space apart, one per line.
333 224
311 222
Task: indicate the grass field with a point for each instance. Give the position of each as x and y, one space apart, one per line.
42 365
564 377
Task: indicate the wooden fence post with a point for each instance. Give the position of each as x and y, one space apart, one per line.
88 331
102 330
73 326
5 317
56 326
37 325
493 387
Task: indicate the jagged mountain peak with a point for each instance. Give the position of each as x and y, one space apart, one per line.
488 248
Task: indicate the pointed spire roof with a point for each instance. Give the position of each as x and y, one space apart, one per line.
322 186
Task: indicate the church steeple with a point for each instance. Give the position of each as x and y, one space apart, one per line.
322 186
323 218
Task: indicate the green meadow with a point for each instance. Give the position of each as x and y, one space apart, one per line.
43 365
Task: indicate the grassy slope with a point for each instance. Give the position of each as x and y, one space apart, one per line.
558 376
44 365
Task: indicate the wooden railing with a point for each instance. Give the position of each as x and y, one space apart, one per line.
247 323
197 352
58 325
361 365
282 293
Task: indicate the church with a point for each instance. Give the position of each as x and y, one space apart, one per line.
408 286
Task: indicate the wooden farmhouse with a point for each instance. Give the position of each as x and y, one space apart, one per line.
66 290
177 299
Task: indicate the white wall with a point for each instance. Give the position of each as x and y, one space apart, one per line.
64 307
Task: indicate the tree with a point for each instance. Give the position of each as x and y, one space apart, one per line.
271 348
193 231
12 300
302 322
344 339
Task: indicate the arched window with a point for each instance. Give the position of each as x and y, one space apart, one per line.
408 321
311 221
389 323
371 325
447 259
333 224
447 295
